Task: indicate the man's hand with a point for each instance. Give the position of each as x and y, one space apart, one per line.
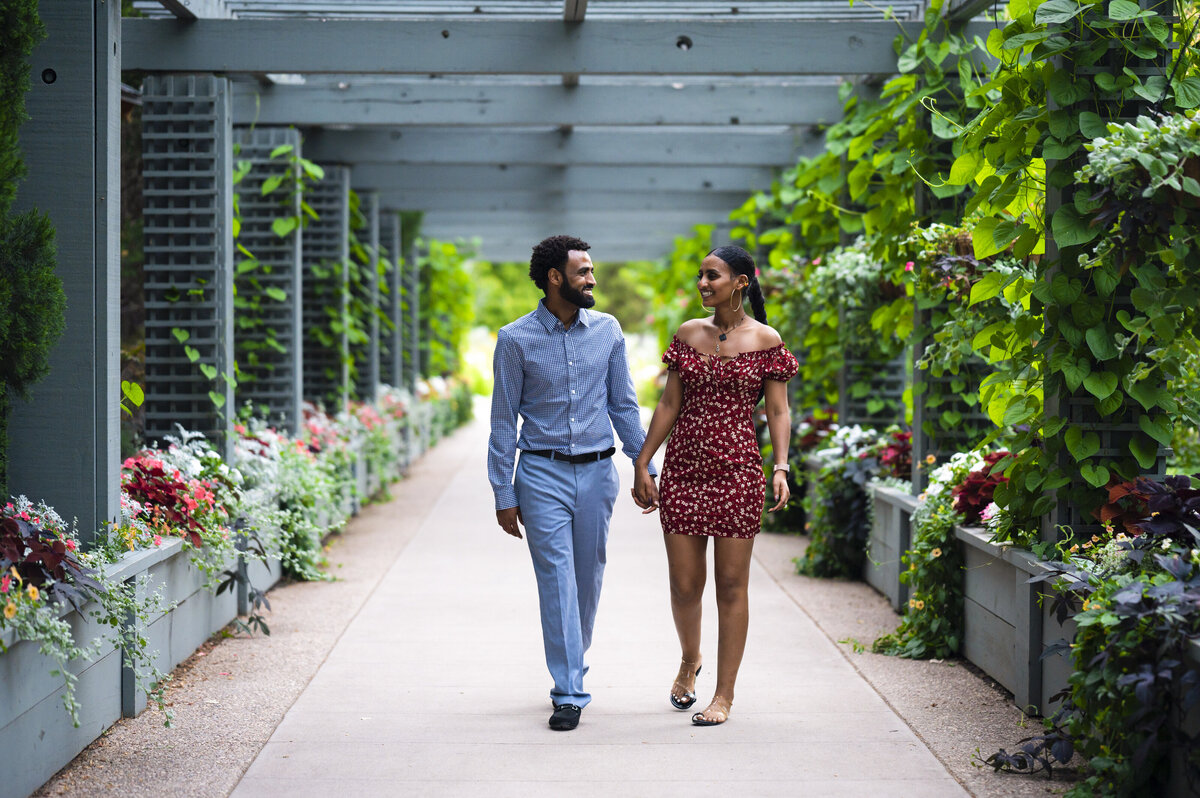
510 520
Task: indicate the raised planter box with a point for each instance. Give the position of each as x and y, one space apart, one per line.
189 616
1005 626
890 537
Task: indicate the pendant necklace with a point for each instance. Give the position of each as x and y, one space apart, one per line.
721 337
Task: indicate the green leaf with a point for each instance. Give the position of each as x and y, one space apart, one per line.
191 353
1159 428
983 240
284 226
991 285
1187 92
1097 476
1122 10
208 371
1145 450
180 334
281 150
965 167
1091 125
1065 290
1075 371
217 399
1146 394
1081 445
271 183
1070 228
1056 12
133 392
1100 384
1100 341
278 294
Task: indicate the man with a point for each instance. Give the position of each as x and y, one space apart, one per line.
562 369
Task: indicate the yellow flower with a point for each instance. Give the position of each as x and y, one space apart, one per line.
912 566
920 604
1075 548
931 459
912 602
33 592
1095 539
936 553
1087 545
10 610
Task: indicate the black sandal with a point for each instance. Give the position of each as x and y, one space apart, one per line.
723 708
688 699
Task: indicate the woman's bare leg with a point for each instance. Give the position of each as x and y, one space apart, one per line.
687 567
731 558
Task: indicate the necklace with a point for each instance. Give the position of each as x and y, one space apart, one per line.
722 336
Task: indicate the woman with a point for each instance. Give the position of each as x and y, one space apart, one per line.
712 476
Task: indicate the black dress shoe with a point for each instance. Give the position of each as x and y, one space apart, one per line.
565 717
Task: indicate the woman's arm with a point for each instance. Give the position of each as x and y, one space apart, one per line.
645 493
779 424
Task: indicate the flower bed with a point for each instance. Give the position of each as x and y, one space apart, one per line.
198 542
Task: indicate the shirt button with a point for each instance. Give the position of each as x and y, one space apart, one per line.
572 390
572 419
570 362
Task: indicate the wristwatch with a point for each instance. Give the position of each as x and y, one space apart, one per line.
783 467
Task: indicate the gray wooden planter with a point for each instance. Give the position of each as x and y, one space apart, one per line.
890 537
190 614
1006 627
35 730
1178 786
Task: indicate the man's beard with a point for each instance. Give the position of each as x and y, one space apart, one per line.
577 298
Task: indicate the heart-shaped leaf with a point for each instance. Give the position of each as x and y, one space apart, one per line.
1080 444
1145 449
1097 476
208 371
192 354
1159 428
1100 384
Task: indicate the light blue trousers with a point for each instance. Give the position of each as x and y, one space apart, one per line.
566 509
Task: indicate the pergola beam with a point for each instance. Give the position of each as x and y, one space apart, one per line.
535 201
198 9
570 179
517 47
589 104
574 10
649 146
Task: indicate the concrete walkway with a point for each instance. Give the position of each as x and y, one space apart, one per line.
438 685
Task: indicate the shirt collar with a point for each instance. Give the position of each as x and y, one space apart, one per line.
549 320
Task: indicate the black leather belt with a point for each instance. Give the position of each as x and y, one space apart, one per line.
573 459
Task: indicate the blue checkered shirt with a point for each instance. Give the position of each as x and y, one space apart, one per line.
571 387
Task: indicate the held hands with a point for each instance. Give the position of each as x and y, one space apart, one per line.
781 492
644 491
510 520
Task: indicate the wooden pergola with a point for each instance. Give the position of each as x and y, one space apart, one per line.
625 122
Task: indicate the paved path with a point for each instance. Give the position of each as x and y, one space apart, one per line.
438 685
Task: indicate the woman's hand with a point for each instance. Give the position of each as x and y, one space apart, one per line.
645 492
780 487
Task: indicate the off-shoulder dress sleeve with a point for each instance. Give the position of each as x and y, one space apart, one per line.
675 353
782 365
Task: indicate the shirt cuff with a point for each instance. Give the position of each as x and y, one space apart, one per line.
651 469
506 497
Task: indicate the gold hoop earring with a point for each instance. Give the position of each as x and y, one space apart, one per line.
709 310
739 304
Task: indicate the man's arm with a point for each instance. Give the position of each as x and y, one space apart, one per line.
623 404
509 378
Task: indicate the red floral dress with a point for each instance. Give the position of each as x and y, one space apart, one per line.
712 479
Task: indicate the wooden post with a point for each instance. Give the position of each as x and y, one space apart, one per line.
64 443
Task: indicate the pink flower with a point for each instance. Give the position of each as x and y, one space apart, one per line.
5 583
189 502
239 429
816 261
71 545
158 540
908 267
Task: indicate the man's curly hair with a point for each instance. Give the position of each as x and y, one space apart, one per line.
552 253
